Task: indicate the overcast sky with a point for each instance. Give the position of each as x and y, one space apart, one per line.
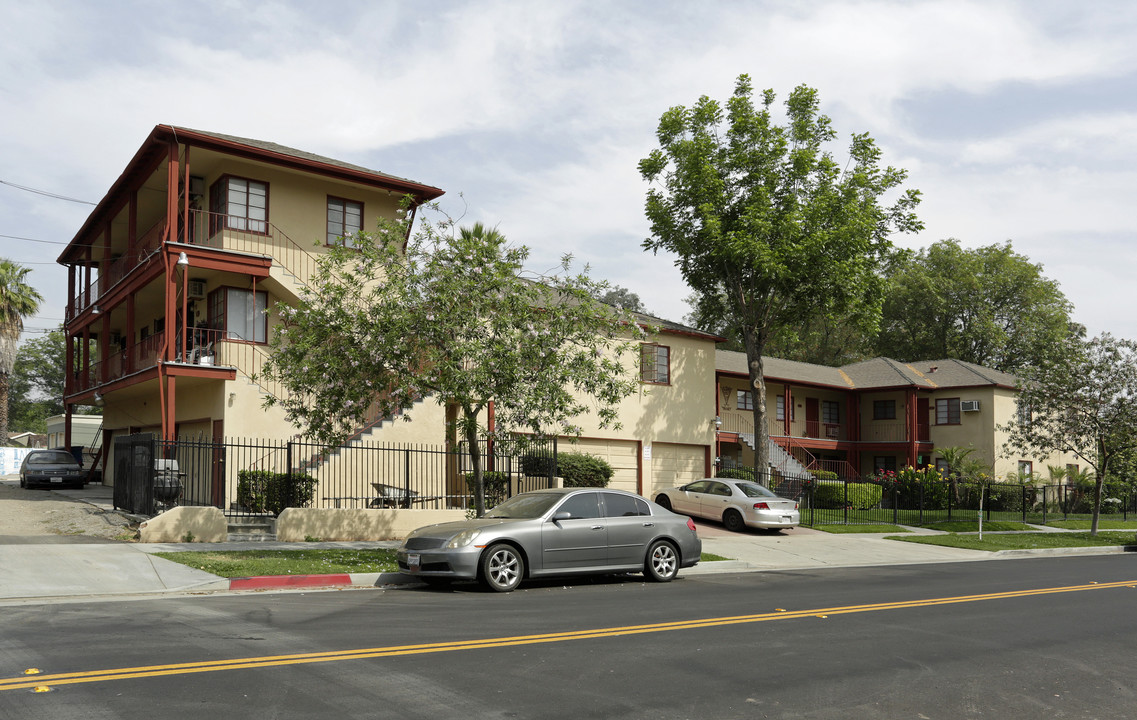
1017 120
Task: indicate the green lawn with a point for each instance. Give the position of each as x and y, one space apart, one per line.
838 529
1103 524
253 563
1021 541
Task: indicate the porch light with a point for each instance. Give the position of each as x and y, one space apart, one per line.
718 422
182 259
95 310
98 399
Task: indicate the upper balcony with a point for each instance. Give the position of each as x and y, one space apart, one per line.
742 421
205 230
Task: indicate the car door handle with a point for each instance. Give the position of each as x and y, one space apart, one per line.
649 524
597 527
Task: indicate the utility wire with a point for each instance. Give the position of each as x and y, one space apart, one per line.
45 193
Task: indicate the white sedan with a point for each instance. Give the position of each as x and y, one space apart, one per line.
737 503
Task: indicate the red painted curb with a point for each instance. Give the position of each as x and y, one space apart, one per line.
265 582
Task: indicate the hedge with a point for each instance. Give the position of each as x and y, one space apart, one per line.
263 491
861 496
577 469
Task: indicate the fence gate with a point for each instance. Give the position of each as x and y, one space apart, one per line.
133 470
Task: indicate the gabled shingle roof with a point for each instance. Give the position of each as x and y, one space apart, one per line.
875 374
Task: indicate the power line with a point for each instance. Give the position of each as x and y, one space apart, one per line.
46 242
45 193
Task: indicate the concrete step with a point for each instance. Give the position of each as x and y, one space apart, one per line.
256 528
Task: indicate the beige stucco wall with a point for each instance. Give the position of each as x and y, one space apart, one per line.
180 524
299 524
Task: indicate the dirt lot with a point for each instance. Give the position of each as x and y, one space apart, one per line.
39 513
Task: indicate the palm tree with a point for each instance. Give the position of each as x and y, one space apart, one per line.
18 300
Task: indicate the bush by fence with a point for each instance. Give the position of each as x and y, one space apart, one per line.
262 491
577 469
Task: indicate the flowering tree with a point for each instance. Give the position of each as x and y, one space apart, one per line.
449 314
1082 400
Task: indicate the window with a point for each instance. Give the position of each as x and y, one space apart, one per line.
745 400
884 463
1026 468
582 506
830 412
244 203
617 505
240 313
781 409
942 467
884 410
947 411
655 364
345 219
1024 414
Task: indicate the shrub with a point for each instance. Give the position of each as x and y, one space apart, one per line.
861 496
264 491
737 473
495 483
577 469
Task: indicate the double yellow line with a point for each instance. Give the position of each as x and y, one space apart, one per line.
34 680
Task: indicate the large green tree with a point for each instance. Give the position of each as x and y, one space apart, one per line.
35 390
454 317
1081 400
769 229
18 300
987 305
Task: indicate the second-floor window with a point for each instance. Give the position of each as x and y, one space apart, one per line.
830 412
884 410
781 410
345 219
1026 468
243 202
240 313
745 400
655 363
947 411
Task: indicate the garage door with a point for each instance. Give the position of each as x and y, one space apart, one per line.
620 454
675 465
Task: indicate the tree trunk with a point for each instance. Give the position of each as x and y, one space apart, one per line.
3 409
474 449
755 344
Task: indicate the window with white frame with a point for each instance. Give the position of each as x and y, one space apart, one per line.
781 408
655 363
345 219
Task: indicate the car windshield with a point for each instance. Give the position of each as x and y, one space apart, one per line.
51 458
754 490
530 505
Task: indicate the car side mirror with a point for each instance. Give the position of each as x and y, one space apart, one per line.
562 515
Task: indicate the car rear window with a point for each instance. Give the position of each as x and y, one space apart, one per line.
754 490
617 505
51 458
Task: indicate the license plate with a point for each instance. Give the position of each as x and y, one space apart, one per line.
57 479
414 561
786 518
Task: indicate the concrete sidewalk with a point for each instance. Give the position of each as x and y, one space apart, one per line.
35 571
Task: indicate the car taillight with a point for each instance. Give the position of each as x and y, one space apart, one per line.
761 506
691 524
795 506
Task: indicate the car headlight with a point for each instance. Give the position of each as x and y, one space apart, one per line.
462 539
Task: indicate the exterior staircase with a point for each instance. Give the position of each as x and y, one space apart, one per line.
780 459
252 528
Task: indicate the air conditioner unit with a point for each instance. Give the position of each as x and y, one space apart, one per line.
196 289
969 405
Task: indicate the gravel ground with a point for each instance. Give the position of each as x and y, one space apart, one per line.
26 515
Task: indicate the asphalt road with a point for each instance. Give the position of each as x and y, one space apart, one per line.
1033 638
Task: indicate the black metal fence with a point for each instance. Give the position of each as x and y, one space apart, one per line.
246 476
922 501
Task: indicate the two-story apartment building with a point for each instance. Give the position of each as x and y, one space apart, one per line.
174 277
871 416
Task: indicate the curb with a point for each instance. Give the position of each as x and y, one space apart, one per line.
288 582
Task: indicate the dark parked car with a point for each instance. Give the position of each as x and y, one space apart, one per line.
555 532
54 468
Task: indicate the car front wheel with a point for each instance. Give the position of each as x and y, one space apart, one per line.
502 568
662 564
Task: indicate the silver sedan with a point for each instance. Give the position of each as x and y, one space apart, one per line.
737 503
555 532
